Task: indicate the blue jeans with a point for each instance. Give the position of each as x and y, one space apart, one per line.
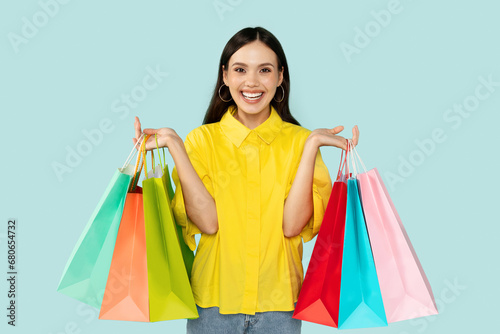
272 322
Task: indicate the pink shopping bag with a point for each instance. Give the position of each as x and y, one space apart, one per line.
406 291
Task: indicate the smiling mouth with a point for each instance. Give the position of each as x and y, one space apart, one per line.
252 96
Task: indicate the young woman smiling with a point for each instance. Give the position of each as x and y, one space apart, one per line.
252 181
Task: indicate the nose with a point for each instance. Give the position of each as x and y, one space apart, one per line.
252 79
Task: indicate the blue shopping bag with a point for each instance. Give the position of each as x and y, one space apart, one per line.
361 304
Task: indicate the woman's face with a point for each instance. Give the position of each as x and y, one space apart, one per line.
252 76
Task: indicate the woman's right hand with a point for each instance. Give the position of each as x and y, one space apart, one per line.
200 205
164 136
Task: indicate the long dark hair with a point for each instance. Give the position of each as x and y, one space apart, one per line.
217 107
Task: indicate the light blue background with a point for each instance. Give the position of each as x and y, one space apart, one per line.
66 78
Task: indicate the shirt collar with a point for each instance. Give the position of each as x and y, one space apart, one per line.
237 132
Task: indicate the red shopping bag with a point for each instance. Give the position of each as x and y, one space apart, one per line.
319 296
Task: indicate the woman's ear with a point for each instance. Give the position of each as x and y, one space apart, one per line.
224 74
281 75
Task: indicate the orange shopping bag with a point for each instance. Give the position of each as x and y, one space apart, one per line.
123 300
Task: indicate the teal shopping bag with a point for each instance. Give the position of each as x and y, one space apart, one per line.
361 304
86 272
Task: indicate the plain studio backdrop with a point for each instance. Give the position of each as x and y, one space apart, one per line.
420 78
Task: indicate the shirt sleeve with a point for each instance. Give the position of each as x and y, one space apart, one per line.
189 229
322 188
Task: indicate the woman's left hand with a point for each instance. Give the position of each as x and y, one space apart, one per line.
328 137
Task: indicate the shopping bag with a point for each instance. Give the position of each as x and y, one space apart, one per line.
405 288
86 272
162 171
187 253
154 284
319 296
361 302
170 294
127 298
126 295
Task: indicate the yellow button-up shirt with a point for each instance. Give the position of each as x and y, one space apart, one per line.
249 265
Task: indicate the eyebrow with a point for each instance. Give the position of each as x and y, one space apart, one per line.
245 65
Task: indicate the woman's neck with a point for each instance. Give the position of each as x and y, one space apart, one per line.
252 121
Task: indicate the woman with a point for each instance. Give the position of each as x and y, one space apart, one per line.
251 180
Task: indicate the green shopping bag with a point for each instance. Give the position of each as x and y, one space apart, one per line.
170 294
86 272
187 253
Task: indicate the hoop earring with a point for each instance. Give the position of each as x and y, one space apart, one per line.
283 97
221 96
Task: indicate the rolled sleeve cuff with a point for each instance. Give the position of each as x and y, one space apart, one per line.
322 188
313 225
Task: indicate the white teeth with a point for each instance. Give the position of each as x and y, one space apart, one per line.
252 96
